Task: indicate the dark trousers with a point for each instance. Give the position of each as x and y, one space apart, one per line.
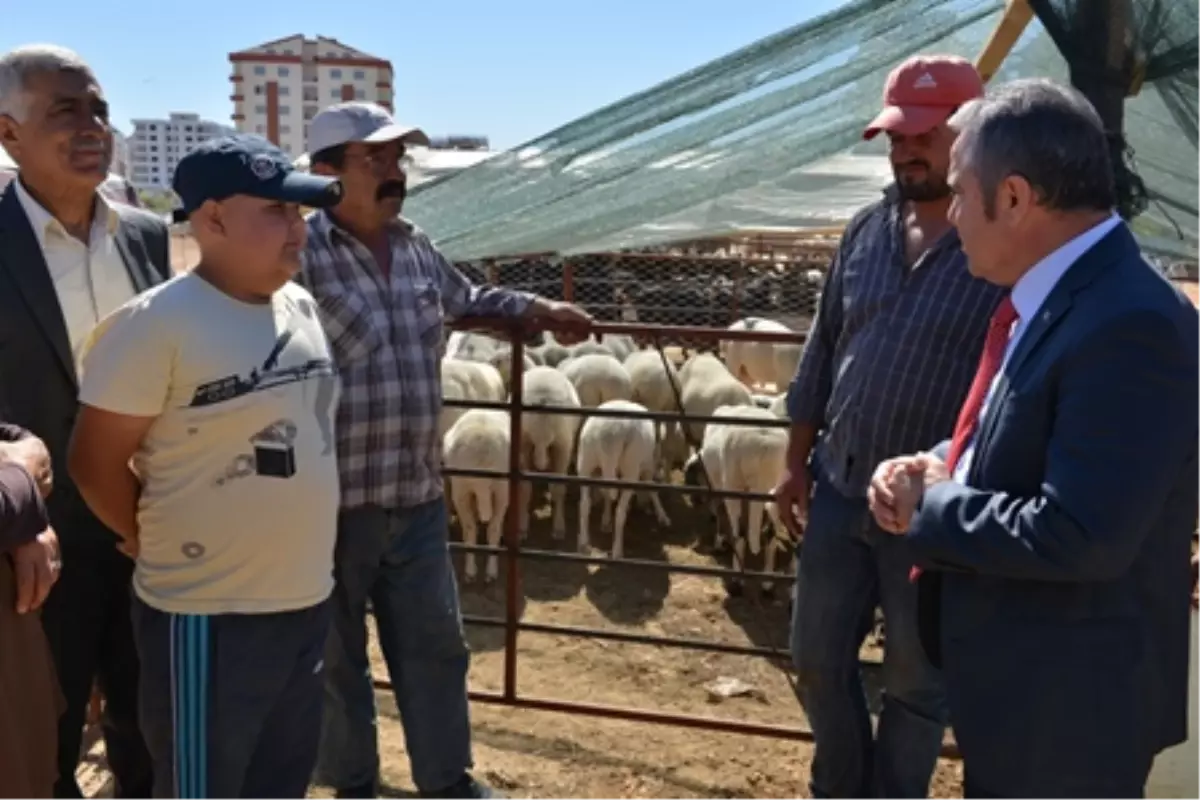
86 619
848 566
231 703
400 560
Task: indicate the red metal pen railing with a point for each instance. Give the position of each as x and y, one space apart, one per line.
517 332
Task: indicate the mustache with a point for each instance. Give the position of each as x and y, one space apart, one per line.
916 162
391 189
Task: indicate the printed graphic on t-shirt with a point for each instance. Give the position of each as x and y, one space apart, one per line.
270 451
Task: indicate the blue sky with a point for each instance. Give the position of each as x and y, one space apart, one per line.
507 69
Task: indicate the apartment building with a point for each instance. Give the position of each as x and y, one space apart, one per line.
279 86
120 154
157 145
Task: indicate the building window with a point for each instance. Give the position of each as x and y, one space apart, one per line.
259 129
260 109
283 71
285 129
258 90
335 74
335 93
285 90
260 70
285 110
359 75
360 94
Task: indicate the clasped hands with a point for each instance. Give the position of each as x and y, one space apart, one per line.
37 563
897 487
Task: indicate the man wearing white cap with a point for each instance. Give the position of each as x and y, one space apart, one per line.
384 290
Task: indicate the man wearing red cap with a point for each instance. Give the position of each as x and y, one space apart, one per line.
889 360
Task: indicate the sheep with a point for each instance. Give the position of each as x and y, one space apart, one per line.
618 449
620 344
589 347
597 378
779 407
501 358
761 363
468 380
469 346
707 384
656 385
480 439
743 458
550 352
547 440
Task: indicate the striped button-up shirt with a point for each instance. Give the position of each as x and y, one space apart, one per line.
893 349
386 332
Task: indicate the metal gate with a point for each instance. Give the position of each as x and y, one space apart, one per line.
517 332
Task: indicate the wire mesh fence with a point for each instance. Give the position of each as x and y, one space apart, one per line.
698 289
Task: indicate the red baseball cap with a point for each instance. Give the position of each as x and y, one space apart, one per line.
923 92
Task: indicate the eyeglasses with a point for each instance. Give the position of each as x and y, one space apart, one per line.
379 161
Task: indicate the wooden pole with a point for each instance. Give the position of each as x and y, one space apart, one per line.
1017 16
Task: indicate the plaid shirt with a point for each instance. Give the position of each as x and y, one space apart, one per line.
387 342
893 349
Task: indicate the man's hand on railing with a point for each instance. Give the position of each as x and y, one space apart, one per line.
574 321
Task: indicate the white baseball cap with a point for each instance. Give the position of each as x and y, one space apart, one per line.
359 122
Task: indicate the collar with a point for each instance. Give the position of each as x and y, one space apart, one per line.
893 204
325 226
44 223
1035 285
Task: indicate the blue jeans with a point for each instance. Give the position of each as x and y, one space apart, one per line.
400 559
847 566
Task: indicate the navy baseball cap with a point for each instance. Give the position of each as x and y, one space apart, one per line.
250 165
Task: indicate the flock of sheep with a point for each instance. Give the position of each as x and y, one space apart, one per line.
613 373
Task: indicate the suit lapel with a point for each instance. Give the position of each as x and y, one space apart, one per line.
132 248
1051 313
21 257
1117 244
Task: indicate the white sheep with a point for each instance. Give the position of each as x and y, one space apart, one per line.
761 364
471 381
547 439
745 458
657 386
502 359
471 346
591 347
550 352
597 378
620 344
707 385
779 407
616 450
480 439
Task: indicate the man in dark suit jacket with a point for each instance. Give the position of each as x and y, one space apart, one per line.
1051 534
67 258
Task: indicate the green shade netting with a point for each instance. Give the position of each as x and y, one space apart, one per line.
770 136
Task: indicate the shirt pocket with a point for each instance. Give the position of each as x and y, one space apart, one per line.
428 313
350 325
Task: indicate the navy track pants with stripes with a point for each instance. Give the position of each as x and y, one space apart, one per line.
231 704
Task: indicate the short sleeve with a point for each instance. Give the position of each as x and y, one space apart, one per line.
127 362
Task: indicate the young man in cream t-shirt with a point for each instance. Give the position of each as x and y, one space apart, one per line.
219 387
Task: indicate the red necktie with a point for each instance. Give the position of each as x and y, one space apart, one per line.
989 365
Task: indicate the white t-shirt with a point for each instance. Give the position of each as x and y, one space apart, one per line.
238 512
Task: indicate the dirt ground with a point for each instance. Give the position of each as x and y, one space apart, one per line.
548 754
545 754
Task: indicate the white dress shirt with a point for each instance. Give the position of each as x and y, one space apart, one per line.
91 279
1028 295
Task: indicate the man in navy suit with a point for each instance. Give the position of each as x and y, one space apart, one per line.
1051 534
